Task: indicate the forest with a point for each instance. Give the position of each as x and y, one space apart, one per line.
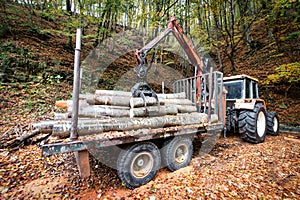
259 38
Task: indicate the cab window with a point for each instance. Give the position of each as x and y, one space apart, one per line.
234 89
248 88
255 91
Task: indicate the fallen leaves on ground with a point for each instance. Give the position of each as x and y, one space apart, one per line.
233 170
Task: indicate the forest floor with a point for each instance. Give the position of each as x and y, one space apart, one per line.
233 170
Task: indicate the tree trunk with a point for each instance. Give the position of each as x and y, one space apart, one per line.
68 104
97 111
112 100
186 109
181 95
112 93
151 111
96 126
150 101
178 102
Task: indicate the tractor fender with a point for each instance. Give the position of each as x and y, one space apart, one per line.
247 104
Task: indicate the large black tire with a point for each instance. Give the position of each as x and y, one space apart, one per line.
272 123
138 164
177 153
253 124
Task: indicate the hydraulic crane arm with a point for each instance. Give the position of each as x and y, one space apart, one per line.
175 28
142 88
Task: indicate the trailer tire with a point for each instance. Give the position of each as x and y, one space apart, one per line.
253 124
177 153
272 123
138 164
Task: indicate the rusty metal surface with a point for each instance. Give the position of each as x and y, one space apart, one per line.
83 163
116 138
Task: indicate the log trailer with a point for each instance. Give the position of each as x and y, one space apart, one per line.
148 131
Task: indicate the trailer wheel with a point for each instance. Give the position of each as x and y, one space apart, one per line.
177 153
138 164
272 123
253 124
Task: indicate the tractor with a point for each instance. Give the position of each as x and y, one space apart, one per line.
246 112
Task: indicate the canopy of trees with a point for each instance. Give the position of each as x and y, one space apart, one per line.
214 23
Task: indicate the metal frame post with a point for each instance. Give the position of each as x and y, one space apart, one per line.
76 87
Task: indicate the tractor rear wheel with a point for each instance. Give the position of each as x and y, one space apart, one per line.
253 124
272 123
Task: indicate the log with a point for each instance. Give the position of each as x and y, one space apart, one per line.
180 95
58 116
186 108
112 100
95 111
120 98
61 104
151 111
110 107
45 126
100 96
86 96
178 102
136 102
96 126
112 93
48 125
68 104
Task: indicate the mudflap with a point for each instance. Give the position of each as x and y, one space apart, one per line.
213 133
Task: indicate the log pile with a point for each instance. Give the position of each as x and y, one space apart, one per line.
92 126
122 104
107 110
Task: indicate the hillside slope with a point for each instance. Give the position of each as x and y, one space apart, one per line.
36 70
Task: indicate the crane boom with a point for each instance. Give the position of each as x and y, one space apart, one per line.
175 28
142 88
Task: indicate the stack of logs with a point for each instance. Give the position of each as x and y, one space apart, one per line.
122 104
118 112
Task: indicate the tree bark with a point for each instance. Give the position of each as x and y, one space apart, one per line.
68 104
60 116
112 93
178 102
96 126
151 111
180 95
112 100
186 108
150 101
97 111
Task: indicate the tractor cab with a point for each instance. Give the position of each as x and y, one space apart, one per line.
241 87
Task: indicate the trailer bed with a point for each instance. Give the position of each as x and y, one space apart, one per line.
55 145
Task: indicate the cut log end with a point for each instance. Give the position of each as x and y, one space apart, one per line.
61 104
